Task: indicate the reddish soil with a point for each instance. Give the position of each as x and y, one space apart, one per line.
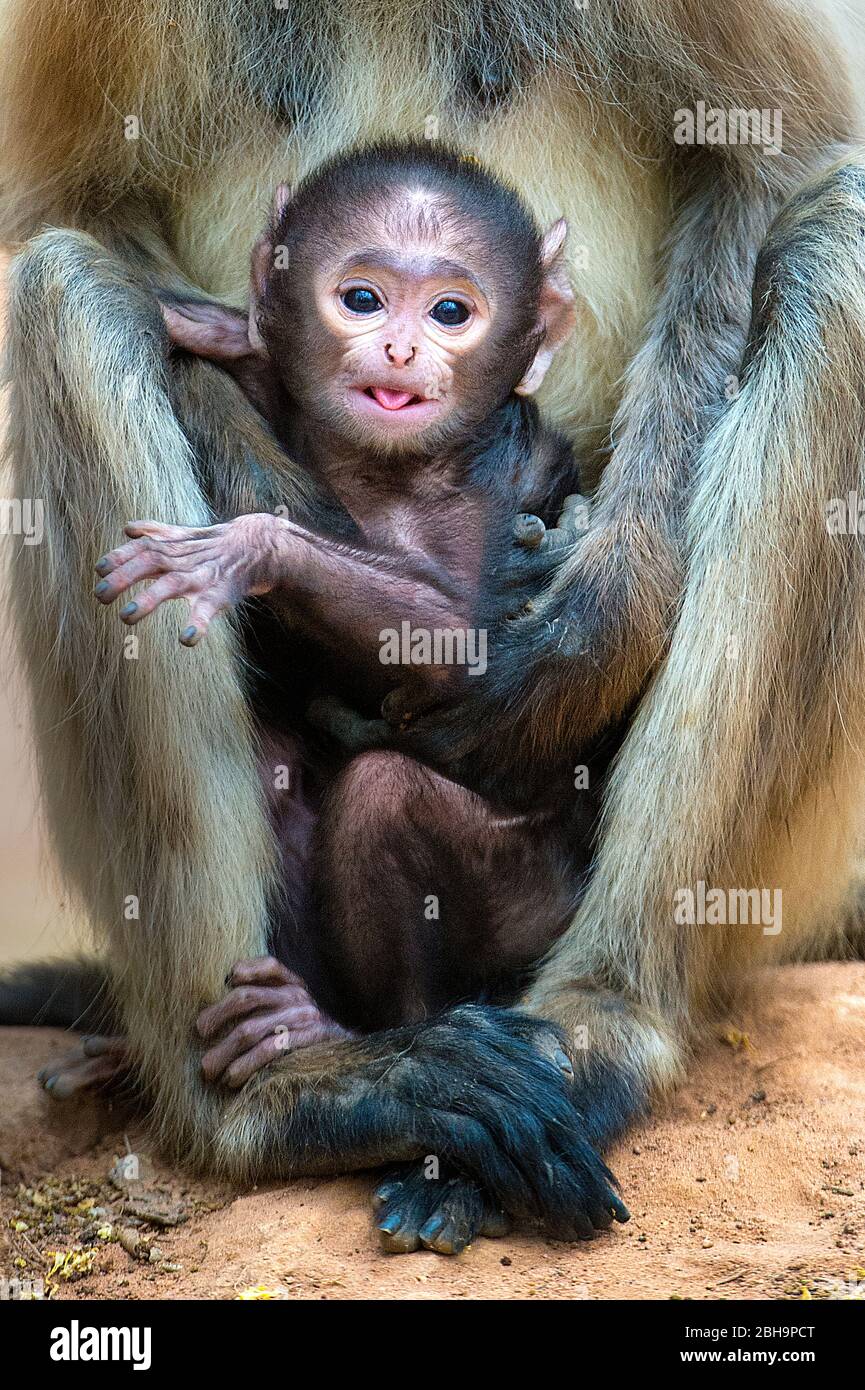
748 1183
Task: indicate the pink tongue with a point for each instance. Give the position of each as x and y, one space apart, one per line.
392 400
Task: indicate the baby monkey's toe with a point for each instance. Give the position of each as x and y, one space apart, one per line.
267 1011
96 1064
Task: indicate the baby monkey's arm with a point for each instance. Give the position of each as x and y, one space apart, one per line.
342 596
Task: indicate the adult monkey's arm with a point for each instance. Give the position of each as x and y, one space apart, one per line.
599 631
749 737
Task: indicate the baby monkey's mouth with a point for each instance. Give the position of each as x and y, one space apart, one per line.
403 408
389 399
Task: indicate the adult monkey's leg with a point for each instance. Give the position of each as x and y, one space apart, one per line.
148 767
753 728
146 759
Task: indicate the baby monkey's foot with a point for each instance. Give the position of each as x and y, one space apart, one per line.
402 706
356 734
278 1015
95 1064
212 567
352 731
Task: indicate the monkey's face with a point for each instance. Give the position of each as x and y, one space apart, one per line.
403 352
407 325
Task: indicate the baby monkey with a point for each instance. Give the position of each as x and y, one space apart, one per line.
404 308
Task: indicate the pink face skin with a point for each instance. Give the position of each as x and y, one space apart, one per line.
405 321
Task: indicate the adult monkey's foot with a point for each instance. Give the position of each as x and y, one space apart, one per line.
419 1206
487 1099
267 1012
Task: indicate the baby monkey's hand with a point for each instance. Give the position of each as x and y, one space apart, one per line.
540 549
212 567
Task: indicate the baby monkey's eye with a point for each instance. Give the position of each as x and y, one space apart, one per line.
361 301
450 312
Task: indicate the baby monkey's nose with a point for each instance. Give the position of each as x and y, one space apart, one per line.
400 354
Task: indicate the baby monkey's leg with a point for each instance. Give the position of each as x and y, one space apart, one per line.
96 1063
428 894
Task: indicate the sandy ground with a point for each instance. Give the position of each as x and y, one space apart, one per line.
750 1183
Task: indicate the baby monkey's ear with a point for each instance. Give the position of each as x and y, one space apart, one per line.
556 311
267 258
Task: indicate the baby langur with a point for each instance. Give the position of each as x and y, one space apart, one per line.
404 308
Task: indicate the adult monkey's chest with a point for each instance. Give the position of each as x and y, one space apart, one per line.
467 74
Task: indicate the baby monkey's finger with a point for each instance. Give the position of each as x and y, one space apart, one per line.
262 970
164 532
167 587
248 1063
114 559
557 538
572 523
203 608
142 564
244 1000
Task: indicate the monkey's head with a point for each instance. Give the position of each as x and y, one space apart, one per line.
403 293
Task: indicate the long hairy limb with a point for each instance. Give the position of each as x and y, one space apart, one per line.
129 777
767 664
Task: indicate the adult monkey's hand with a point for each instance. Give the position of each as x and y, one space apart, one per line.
585 610
609 599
